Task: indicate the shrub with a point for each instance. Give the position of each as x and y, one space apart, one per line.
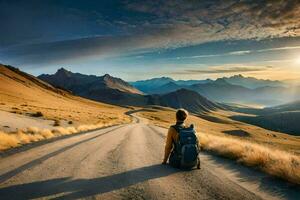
8 141
56 123
37 114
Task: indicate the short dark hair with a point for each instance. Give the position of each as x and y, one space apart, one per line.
181 114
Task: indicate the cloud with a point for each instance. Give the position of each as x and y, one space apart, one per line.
279 49
222 19
238 53
72 50
225 69
145 26
232 53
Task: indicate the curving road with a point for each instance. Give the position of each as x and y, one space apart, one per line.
123 162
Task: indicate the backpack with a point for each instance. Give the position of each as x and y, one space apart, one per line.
186 150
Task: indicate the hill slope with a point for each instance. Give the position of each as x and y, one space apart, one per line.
105 88
188 99
79 82
24 94
286 122
283 118
292 106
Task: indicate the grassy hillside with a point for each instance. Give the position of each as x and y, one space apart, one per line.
287 122
284 118
23 94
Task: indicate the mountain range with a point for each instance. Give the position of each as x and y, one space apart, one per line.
252 83
164 84
113 90
79 82
235 89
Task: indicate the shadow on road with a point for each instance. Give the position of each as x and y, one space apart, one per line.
8 175
81 188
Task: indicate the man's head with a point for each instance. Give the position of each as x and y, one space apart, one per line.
181 115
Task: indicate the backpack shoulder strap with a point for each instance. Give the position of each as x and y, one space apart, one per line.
176 144
176 127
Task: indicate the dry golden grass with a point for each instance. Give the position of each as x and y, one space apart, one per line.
33 134
277 156
21 95
7 141
275 162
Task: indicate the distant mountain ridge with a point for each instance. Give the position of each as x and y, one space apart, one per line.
79 83
235 89
250 82
161 85
149 85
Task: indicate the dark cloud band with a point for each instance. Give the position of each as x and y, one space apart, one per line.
224 70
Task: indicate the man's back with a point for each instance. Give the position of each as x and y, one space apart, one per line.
172 137
188 144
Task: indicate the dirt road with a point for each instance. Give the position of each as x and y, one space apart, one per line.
123 162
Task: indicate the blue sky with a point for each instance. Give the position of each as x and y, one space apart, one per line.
134 40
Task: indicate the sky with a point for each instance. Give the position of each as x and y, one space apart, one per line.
141 39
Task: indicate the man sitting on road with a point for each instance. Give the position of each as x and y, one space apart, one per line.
182 146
